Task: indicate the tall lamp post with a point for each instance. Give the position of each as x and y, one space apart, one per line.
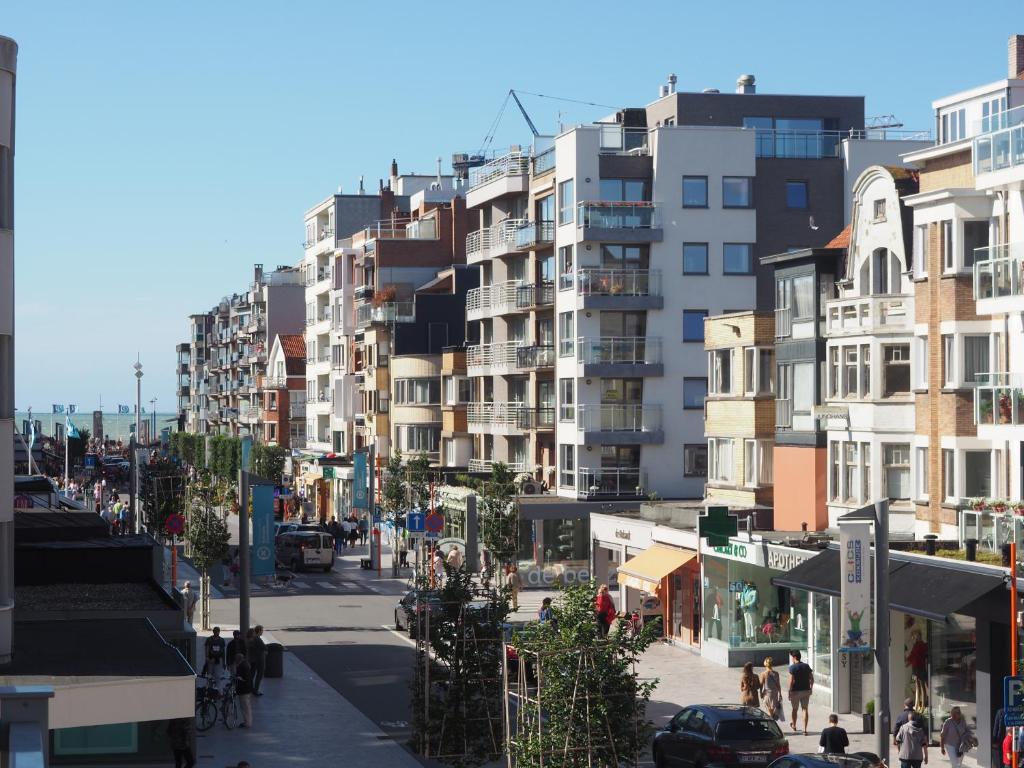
134 447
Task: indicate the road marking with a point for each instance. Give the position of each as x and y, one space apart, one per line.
401 636
300 584
327 585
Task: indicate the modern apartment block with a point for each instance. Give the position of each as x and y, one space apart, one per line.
183 379
283 391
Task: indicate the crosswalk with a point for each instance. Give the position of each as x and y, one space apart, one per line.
307 586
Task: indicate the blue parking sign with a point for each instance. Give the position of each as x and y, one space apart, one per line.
1013 701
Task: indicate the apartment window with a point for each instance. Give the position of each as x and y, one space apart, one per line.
417 391
457 390
834 470
695 460
565 267
895 370
797 295
954 125
757 463
565 337
896 465
878 210
758 366
921 472
566 202
948 371
948 474
834 390
737 192
693 324
694 391
850 377
975 236
796 195
976 359
946 244
695 191
566 402
978 473
720 463
628 190
850 467
737 258
566 466
695 258
921 251
420 439
865 472
720 371
921 363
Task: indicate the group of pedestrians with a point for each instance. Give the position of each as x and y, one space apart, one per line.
117 515
347 533
244 660
765 690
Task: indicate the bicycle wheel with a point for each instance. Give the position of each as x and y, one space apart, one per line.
206 714
230 711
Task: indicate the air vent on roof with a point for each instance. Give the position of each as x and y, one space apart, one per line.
711 90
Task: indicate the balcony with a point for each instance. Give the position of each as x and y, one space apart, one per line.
297 410
542 418
385 314
618 289
493 241
495 418
869 315
619 424
619 356
386 229
999 278
999 400
505 175
535 235
610 482
620 222
535 357
999 146
502 355
617 139
544 161
509 296
783 414
487 465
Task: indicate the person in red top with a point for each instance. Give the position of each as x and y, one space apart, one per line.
1008 748
605 610
917 660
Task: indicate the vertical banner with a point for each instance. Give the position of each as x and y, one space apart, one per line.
855 560
262 530
360 483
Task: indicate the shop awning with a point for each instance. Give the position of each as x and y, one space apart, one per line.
646 570
920 589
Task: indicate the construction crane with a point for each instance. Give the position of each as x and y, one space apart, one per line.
526 117
514 95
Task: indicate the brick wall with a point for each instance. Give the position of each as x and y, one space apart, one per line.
951 171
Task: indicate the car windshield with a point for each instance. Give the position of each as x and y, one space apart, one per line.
748 730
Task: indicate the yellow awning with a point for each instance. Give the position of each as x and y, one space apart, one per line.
646 570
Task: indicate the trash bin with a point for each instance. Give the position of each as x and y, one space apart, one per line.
275 660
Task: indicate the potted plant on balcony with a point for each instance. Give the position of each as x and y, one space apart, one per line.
1018 508
999 506
385 295
978 504
985 410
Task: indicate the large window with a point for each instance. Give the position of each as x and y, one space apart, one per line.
895 370
797 295
896 460
976 358
757 463
975 236
695 460
796 195
737 192
758 370
627 190
417 391
566 202
720 461
565 334
566 407
414 438
978 473
567 466
693 324
695 258
694 391
695 191
720 371
565 267
737 259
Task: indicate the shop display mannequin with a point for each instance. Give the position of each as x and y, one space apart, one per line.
748 604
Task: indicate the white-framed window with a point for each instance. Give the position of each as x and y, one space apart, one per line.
896 465
878 210
920 366
566 341
566 202
921 250
758 371
947 245
865 472
833 372
757 463
424 391
416 438
976 358
458 390
566 402
850 371
895 370
720 459
948 361
834 471
921 472
566 268
949 474
566 465
720 371
851 464
978 474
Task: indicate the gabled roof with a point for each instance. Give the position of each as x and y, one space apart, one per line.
293 345
842 240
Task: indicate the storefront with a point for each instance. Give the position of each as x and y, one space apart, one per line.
949 638
747 618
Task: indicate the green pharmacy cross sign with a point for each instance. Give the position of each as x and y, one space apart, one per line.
717 525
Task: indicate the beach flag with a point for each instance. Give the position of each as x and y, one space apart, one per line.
57 408
72 409
71 428
122 409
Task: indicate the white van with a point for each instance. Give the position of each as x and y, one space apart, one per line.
299 550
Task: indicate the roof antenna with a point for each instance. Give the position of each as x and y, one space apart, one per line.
362 190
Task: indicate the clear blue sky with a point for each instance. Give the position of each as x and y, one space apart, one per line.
163 148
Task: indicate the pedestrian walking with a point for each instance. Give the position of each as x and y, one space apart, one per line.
215 650
179 734
771 690
998 735
125 517
402 544
363 526
344 529
604 610
335 530
750 686
834 739
515 583
955 738
243 687
801 682
907 713
235 647
546 614
438 563
257 659
913 744
455 558
189 600
353 534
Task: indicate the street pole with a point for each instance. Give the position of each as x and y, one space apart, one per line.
135 447
243 538
882 727
1013 637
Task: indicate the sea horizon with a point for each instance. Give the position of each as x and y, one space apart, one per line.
116 426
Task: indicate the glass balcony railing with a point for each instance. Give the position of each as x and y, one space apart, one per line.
610 481
998 399
618 417
535 233
536 356
617 215
395 312
618 282
544 162
536 418
618 139
1003 145
627 350
999 271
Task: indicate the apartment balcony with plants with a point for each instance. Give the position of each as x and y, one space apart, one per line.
600 288
619 221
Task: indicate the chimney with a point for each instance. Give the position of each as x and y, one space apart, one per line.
662 91
671 82
745 84
362 189
394 168
1016 57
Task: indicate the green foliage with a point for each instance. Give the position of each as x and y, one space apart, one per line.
593 704
207 532
267 461
161 492
76 445
465 481
392 492
499 514
417 477
188 447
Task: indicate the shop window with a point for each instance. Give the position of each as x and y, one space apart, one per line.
977 474
720 371
119 738
896 459
695 461
896 370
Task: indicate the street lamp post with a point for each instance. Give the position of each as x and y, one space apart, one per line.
134 448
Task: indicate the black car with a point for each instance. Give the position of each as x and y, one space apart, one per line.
855 760
707 736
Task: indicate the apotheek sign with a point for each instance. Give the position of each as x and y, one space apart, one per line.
780 559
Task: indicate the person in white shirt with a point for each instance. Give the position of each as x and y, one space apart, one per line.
455 558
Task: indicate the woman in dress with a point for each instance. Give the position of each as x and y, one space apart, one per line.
750 686
771 690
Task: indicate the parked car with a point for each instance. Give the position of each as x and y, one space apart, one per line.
855 760
282 528
301 550
409 613
702 736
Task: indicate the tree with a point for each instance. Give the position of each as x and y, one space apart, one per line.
417 477
207 532
161 492
267 461
77 445
590 707
499 514
393 492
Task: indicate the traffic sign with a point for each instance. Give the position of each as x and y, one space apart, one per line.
1013 701
414 522
433 523
174 524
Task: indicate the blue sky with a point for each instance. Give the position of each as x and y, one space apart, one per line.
163 148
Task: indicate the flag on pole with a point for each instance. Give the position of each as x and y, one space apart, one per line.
72 409
71 429
58 408
122 409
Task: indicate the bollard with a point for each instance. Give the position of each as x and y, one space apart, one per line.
929 544
972 549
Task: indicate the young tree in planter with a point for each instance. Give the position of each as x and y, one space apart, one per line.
499 516
589 707
393 492
208 537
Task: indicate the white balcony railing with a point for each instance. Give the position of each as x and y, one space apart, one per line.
628 350
999 271
869 313
507 414
507 296
516 163
503 353
487 465
618 282
999 399
618 418
496 240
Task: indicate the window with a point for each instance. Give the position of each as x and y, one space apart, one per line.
946 244
737 259
833 477
878 210
695 461
954 125
948 372
720 371
720 465
757 463
695 191
694 391
797 295
419 439
850 377
566 202
850 468
119 738
865 472
565 267
695 258
417 392
921 363
737 192
796 195
834 389
567 466
693 324
895 370
758 367
627 190
976 359
457 390
920 252
865 370
948 474
921 472
565 337
978 473
566 407
975 236
896 460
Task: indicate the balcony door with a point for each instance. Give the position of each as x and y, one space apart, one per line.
625 190
623 324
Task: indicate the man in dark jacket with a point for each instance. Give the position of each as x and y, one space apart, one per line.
243 687
179 733
257 658
235 647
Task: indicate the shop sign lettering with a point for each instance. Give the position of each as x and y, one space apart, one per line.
733 550
621 534
784 560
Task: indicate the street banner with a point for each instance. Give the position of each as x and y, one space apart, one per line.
855 588
360 486
123 409
262 530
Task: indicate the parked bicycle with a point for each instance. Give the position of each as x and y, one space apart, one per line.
212 702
